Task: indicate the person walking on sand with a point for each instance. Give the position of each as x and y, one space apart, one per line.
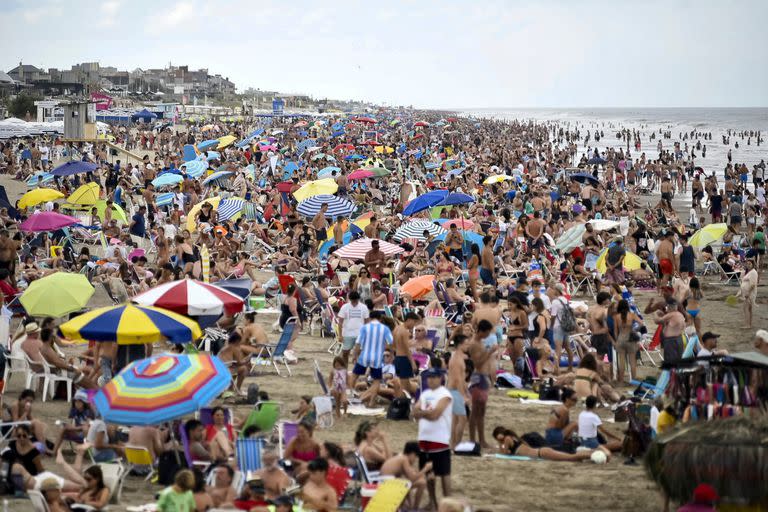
748 291
457 385
480 380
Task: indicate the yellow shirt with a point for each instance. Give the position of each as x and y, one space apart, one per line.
665 422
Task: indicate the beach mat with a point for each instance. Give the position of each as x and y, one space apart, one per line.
361 410
510 457
536 401
522 393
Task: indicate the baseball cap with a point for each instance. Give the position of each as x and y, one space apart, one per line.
81 395
709 335
433 372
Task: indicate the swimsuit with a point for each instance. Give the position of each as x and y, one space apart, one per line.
693 312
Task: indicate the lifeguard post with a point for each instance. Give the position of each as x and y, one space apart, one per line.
80 126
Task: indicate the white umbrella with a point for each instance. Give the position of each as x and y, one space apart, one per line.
415 229
604 224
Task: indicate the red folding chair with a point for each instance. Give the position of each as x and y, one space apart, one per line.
338 478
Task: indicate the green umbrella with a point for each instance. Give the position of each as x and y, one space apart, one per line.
57 295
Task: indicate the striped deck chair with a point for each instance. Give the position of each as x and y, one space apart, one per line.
248 454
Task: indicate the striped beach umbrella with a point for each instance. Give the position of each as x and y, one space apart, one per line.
415 229
195 168
360 247
129 324
162 388
326 172
337 206
191 298
164 199
218 175
229 208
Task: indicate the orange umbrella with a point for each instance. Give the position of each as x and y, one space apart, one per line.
417 287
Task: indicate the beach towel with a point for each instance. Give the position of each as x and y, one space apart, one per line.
324 411
361 410
510 457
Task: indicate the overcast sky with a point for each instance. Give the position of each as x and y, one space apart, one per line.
428 53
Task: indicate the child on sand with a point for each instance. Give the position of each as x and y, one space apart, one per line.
337 381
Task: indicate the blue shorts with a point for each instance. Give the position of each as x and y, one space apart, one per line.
554 437
403 367
487 276
360 370
107 455
458 405
348 342
589 442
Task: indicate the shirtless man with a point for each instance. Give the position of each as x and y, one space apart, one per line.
404 364
276 481
457 385
487 263
253 334
454 241
8 254
221 492
672 332
233 353
666 194
317 493
560 427
375 260
338 232
320 225
601 339
480 381
489 309
535 230
406 465
667 261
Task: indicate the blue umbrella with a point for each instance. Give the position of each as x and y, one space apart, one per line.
217 176
210 143
164 199
327 171
347 238
195 168
425 202
167 179
212 155
469 236
33 180
432 165
230 207
74 167
456 198
240 287
583 177
457 171
145 115
354 157
337 206
249 138
596 160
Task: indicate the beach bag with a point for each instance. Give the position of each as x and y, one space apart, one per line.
467 449
567 319
507 380
548 391
252 396
399 409
168 464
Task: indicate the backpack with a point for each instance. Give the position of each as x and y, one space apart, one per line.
399 409
567 318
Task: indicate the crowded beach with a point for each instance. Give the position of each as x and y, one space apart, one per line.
390 310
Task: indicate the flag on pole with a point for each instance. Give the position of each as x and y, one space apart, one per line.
206 257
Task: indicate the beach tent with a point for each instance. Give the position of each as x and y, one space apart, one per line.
143 115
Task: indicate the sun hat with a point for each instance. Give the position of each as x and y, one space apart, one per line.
32 327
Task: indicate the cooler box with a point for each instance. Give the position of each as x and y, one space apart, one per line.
257 302
366 493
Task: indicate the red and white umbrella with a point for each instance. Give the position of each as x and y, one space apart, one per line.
359 248
191 298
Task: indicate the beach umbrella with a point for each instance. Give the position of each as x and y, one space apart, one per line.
317 187
47 221
191 298
212 155
195 168
167 179
460 223
337 206
117 211
206 144
326 172
225 141
425 202
361 174
421 124
707 235
419 286
729 454
384 149
57 294
343 147
218 175
496 178
39 178
213 201
456 198
378 172
85 194
631 261
230 208
604 224
367 120
584 177
415 229
596 160
129 324
469 237
354 157
571 238
162 388
74 167
240 286
39 195
360 247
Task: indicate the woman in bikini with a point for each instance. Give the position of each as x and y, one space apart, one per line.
473 267
511 444
539 339
588 381
692 303
516 327
444 267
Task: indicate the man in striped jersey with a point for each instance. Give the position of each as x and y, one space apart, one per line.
374 337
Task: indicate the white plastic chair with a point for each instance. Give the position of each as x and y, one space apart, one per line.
50 378
15 363
33 376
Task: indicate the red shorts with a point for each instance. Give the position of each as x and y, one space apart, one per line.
667 267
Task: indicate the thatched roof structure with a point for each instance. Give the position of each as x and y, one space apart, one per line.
729 454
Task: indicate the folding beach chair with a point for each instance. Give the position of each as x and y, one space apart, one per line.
248 454
650 349
201 464
338 478
274 352
141 457
286 431
389 496
264 417
366 475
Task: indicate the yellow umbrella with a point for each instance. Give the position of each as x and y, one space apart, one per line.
39 195
707 235
213 201
85 194
631 261
317 187
384 149
496 178
225 141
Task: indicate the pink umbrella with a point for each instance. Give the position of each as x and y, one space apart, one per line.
270 147
421 124
359 248
361 174
136 252
460 223
47 221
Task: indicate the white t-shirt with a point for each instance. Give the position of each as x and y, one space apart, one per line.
555 309
354 318
703 352
44 152
588 423
439 430
96 427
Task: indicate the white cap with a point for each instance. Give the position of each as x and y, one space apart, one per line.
762 335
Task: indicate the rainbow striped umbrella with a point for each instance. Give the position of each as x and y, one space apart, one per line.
162 388
129 324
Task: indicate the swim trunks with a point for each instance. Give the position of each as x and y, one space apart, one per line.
479 385
321 235
458 406
403 367
666 267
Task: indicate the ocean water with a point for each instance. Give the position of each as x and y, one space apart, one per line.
647 120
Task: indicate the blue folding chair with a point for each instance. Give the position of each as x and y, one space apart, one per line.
248 453
274 352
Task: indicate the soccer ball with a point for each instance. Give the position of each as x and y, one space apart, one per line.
599 457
